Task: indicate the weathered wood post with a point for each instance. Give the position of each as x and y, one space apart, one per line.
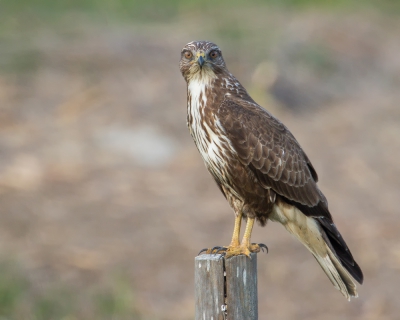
226 288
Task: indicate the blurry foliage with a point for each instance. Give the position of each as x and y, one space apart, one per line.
316 57
21 62
12 288
55 304
117 300
41 11
19 300
20 19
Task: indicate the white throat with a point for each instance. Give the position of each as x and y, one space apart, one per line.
197 92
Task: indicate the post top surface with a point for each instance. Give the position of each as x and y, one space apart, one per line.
205 257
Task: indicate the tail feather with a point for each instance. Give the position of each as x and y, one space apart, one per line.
309 232
334 239
340 250
337 274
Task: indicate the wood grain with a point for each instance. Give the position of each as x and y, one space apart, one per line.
209 287
241 287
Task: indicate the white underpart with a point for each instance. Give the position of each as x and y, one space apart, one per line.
307 231
197 87
210 151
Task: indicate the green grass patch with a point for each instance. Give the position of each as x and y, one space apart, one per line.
117 300
20 299
12 289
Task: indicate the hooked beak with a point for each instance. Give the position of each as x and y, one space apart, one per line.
200 59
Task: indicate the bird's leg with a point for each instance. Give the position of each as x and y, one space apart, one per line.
236 248
247 233
245 246
236 230
252 247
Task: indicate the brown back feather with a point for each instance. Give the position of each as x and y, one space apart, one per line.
268 148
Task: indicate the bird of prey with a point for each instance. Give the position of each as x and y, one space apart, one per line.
259 166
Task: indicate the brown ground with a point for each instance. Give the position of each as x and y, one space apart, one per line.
98 172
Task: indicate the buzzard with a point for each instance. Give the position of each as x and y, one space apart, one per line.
259 166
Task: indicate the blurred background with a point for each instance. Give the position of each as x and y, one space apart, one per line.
104 198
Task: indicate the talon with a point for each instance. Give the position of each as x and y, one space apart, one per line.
202 250
263 246
213 250
257 247
222 255
216 248
221 249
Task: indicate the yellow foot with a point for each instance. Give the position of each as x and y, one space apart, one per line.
236 250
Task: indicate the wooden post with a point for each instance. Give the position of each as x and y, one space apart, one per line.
209 287
226 289
241 287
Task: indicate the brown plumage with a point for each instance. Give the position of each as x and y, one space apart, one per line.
259 166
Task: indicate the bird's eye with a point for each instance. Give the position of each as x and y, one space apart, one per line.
188 54
214 54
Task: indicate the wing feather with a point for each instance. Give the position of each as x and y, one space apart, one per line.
268 148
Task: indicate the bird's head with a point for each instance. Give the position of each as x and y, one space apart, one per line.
202 60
